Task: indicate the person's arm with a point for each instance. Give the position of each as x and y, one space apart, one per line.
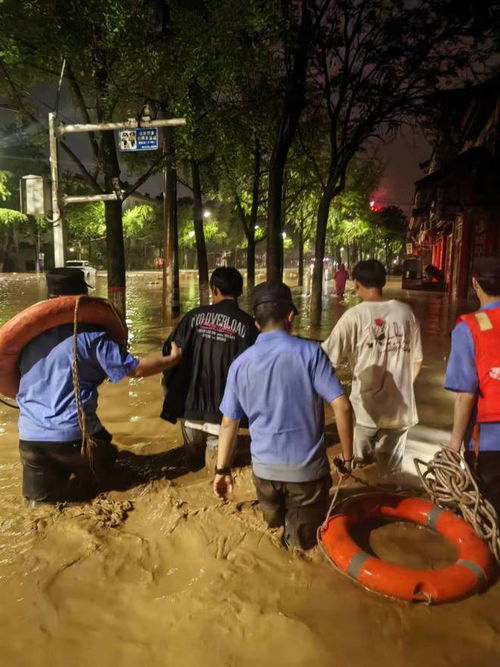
416 348
154 364
461 377
462 413
327 385
342 410
232 412
338 343
223 482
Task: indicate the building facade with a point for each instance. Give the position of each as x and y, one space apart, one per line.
456 214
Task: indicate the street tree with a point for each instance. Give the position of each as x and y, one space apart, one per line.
373 67
122 46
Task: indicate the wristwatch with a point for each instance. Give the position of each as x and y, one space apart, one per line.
223 471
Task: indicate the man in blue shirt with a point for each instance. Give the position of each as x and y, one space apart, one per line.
279 384
49 432
475 340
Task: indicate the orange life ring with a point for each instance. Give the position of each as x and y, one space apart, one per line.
29 323
468 574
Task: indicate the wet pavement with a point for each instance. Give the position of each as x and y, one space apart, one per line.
158 571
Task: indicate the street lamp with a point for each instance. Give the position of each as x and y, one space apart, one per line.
206 214
191 234
283 234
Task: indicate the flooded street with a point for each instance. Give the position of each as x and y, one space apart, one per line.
159 572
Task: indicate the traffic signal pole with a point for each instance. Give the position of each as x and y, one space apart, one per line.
58 198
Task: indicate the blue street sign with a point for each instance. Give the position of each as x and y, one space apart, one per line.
140 139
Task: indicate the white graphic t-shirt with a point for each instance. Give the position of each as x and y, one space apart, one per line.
381 342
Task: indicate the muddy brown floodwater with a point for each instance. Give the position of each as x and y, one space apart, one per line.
157 572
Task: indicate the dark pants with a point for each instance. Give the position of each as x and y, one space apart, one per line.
487 473
47 466
300 506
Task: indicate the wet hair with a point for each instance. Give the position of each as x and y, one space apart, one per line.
370 273
486 271
228 281
271 312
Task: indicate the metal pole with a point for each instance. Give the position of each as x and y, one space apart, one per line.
83 199
56 212
126 125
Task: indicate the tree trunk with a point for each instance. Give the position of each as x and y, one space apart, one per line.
173 242
300 278
11 256
293 103
319 251
112 209
274 256
115 254
201 249
171 296
253 218
3 248
251 260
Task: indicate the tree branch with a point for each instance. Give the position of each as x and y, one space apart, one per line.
85 172
144 177
83 108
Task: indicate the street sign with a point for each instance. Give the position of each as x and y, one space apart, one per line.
409 248
140 139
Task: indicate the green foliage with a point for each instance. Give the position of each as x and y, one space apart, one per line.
85 221
212 230
9 216
4 185
138 219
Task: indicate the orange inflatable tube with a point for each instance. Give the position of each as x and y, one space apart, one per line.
467 575
29 323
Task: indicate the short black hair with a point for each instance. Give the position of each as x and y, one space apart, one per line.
370 273
271 312
228 280
486 271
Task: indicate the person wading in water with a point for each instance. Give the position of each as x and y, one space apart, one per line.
50 436
473 373
206 341
280 384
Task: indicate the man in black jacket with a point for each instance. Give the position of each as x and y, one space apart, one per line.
206 341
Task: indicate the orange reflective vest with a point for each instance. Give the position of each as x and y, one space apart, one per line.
484 326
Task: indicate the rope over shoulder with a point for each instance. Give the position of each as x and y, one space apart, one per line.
82 420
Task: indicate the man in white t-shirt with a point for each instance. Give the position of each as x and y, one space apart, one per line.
380 339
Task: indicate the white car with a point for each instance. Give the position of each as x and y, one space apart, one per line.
83 264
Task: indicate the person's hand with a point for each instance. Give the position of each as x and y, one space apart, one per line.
223 485
456 446
175 350
347 464
343 467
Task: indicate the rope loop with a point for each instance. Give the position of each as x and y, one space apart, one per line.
88 442
450 483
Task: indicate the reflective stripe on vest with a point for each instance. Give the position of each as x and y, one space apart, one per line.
485 330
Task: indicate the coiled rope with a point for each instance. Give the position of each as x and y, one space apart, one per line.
450 483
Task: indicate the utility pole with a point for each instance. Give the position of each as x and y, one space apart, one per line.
57 222
56 130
